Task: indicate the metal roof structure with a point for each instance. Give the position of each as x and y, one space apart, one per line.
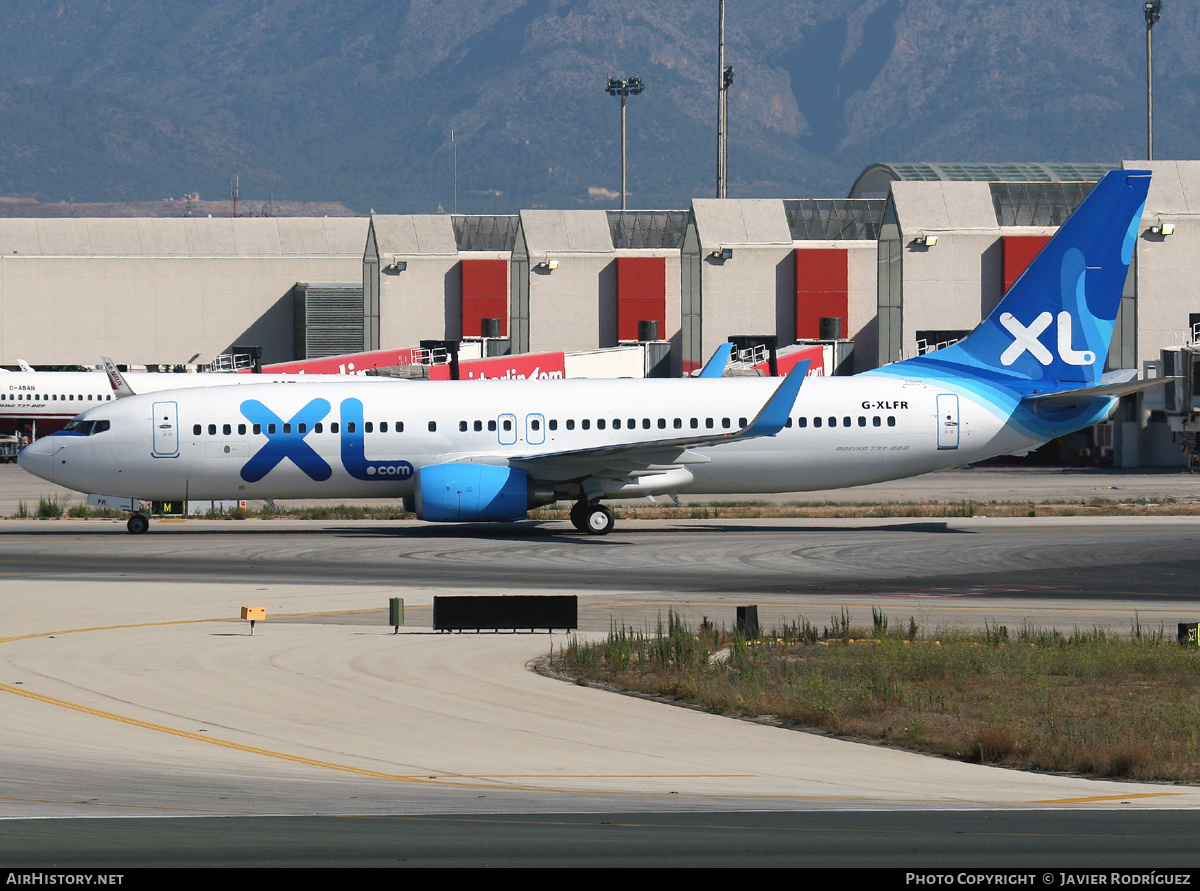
1037 204
485 232
836 219
642 229
875 181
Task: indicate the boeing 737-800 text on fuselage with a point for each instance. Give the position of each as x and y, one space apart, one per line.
485 451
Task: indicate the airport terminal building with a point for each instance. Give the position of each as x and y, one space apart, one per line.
912 259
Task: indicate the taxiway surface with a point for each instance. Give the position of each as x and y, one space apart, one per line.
129 690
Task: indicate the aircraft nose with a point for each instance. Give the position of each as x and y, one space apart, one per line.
38 458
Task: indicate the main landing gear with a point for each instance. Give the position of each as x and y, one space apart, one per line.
138 524
592 517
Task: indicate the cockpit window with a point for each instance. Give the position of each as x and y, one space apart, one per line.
85 428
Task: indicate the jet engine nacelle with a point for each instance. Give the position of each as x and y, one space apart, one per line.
471 492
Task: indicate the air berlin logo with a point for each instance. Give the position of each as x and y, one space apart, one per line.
1025 340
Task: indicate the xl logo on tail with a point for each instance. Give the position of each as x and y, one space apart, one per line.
1025 340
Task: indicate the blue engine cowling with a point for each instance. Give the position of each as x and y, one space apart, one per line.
471 492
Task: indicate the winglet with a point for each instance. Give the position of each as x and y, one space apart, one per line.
774 414
23 365
715 367
115 378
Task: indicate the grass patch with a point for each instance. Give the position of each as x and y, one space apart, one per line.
334 512
49 509
1087 702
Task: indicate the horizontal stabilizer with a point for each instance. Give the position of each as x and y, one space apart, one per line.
1100 391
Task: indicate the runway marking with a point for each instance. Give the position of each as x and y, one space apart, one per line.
1105 798
468 781
4 640
460 780
489 781
136 807
336 612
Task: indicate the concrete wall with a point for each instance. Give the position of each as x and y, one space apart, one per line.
1168 267
861 297
162 290
573 307
753 292
422 301
951 284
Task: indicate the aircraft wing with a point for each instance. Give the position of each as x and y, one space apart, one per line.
661 454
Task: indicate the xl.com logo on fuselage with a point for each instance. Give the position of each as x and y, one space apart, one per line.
287 440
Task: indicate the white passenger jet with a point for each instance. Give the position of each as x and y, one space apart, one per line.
490 451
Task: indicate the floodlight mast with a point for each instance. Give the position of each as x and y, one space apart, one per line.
726 83
1153 10
624 87
721 106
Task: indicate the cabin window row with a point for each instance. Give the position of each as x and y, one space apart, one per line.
845 421
646 424
506 424
301 428
52 397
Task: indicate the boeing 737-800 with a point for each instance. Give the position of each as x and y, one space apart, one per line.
488 451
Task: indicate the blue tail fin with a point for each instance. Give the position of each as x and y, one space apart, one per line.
1053 327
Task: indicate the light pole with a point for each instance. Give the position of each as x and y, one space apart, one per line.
624 87
1153 9
726 83
721 107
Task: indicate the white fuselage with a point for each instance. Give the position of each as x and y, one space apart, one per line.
199 444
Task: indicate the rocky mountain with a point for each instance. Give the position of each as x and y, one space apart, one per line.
355 102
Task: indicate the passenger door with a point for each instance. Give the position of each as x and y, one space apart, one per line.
165 439
947 421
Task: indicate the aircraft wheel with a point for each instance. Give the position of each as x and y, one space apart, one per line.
137 524
579 516
600 519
